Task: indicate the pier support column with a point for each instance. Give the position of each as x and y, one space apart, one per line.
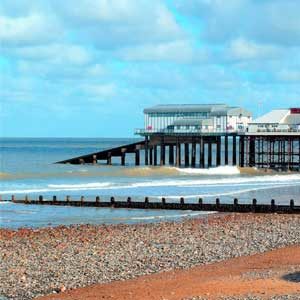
209 158
289 152
252 160
162 152
109 158
202 153
186 155
218 152
155 155
226 150
137 156
151 156
193 162
234 150
242 151
123 156
178 153
146 151
171 155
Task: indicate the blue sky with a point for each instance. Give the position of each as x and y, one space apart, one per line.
87 68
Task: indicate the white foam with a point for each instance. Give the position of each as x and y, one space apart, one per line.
82 185
224 170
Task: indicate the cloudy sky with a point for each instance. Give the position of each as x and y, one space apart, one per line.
88 67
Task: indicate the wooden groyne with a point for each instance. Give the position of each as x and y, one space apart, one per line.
217 206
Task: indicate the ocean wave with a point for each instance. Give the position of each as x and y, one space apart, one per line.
224 170
229 193
235 182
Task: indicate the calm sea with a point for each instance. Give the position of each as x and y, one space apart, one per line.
27 168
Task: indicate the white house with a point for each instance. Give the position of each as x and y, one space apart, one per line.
278 120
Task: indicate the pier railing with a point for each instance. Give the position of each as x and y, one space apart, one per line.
217 206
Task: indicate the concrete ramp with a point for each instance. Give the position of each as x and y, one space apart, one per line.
107 154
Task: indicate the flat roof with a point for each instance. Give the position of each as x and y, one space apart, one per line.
174 108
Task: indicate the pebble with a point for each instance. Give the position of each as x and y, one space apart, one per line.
43 261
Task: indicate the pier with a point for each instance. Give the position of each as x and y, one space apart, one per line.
211 135
253 207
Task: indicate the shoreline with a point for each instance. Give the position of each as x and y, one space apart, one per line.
37 262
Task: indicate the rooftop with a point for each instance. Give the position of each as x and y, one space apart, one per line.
170 108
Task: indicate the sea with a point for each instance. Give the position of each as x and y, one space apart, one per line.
27 167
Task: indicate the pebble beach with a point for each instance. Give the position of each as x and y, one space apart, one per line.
47 261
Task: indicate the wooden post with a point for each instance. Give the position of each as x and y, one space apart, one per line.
123 156
155 155
97 199
254 203
54 199
146 151
242 151
162 152
67 198
186 155
209 154
193 155
178 153
226 150
137 156
234 150
181 200
202 153
171 155
13 199
252 161
151 156
109 158
218 152
40 198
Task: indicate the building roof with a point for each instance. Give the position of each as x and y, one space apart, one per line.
273 117
293 119
173 108
213 109
193 122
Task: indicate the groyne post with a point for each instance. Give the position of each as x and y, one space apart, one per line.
97 199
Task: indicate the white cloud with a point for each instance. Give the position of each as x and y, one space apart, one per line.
272 22
118 23
241 49
178 51
28 30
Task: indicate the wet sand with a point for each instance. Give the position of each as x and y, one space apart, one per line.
274 273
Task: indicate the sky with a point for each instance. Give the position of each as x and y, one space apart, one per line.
88 68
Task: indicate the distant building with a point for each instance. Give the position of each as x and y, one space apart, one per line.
279 121
195 118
